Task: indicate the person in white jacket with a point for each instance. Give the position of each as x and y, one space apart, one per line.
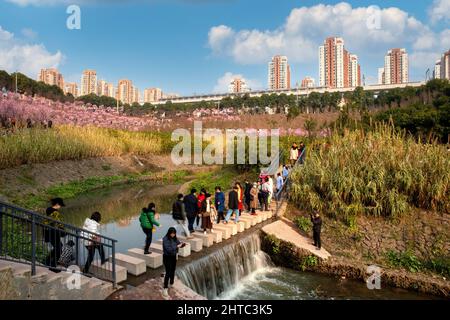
293 154
92 240
271 186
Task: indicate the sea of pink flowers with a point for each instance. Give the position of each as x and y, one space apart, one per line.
20 109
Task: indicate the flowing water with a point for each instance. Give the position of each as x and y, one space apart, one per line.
241 271
238 271
120 208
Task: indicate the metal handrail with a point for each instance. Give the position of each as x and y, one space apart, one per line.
278 196
19 227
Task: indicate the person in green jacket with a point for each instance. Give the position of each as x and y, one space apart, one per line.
148 221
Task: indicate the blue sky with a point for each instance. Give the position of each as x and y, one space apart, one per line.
195 46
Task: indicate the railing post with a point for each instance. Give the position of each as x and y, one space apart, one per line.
113 261
33 245
1 230
77 247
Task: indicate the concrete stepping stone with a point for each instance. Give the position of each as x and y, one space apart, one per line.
196 243
217 235
264 215
240 226
226 233
252 219
153 260
182 252
208 239
230 226
247 222
134 266
105 271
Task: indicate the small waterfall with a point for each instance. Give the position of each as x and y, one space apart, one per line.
220 271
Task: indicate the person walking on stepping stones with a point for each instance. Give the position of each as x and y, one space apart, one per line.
148 221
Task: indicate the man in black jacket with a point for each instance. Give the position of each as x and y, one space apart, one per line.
317 226
179 214
233 205
191 208
247 195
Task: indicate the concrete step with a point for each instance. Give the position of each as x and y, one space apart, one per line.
226 232
247 222
196 243
207 238
259 217
182 252
217 235
252 219
134 266
105 271
240 226
153 260
229 226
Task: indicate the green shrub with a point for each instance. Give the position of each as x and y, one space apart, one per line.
303 223
309 261
406 260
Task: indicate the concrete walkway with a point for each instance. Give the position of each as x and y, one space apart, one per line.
287 231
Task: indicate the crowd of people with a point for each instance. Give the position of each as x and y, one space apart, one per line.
194 212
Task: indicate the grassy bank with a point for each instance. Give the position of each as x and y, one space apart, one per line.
379 173
74 143
225 178
75 188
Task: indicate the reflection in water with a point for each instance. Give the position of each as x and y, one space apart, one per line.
120 208
244 279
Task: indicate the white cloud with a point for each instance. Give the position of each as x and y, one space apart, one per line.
440 10
25 57
29 33
224 81
24 3
367 31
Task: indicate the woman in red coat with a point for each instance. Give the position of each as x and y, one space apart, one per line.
240 197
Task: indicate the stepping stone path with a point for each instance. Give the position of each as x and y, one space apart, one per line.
135 261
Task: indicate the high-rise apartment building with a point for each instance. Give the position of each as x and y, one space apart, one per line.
106 89
52 77
279 75
437 70
238 85
72 88
136 96
88 82
442 67
152 95
308 82
396 67
125 91
380 75
337 67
